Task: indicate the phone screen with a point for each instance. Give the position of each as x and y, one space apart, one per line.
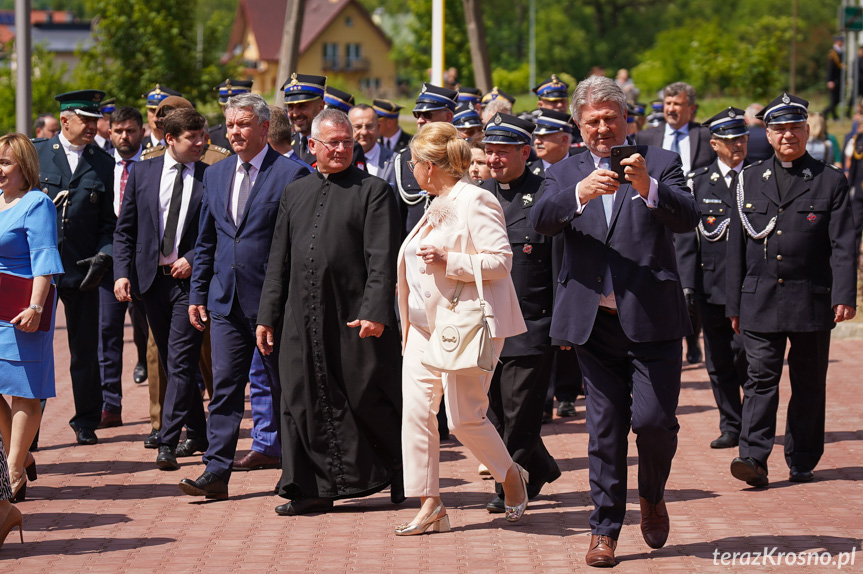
618 153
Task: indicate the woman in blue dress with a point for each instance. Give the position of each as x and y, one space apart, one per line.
28 248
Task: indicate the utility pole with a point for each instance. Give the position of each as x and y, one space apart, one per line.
792 84
478 48
23 77
290 50
437 56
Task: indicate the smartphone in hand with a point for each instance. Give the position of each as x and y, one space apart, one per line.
618 153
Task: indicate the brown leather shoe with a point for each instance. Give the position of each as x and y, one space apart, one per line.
601 551
110 420
654 522
255 461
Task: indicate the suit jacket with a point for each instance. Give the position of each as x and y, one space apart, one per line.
85 222
137 238
532 266
701 261
790 280
637 246
387 169
401 143
231 258
700 152
475 226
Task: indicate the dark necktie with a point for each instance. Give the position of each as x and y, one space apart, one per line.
732 186
243 193
124 179
173 212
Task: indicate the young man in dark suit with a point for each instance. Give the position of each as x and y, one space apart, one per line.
619 302
154 245
241 200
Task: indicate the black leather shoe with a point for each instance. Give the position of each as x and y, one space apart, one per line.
496 505
208 485
307 505
725 440
86 436
166 459
693 354
546 417
139 375
190 446
534 487
152 440
800 474
566 409
749 470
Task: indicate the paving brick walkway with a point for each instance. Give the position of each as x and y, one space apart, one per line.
106 508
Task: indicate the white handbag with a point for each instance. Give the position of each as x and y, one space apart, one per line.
461 342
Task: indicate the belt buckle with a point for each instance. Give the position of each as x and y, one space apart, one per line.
166 270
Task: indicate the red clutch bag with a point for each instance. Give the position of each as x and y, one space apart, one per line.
15 297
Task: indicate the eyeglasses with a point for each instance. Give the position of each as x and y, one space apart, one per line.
333 145
425 115
413 164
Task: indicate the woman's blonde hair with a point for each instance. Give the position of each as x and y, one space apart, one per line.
440 144
817 126
26 157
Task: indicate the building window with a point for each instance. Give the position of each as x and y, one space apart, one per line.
349 22
370 85
331 56
354 57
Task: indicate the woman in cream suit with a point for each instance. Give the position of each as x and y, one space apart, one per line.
463 226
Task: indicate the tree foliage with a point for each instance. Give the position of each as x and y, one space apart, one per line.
140 43
47 81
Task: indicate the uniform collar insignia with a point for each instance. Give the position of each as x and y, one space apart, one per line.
766 175
536 170
527 199
807 174
714 177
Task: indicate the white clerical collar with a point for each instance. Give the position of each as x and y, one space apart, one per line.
787 164
69 146
503 185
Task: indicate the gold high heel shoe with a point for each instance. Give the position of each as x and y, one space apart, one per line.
13 519
437 524
514 513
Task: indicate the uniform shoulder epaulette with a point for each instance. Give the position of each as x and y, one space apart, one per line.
102 150
697 172
38 140
214 153
759 162
154 151
834 166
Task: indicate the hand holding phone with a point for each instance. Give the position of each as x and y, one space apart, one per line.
618 153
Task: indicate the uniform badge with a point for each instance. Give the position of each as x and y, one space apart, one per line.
766 175
361 165
711 220
497 119
94 197
424 89
56 146
91 151
714 177
527 249
811 218
786 99
536 171
732 114
527 199
807 174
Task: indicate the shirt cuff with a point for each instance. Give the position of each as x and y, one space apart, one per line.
579 206
652 199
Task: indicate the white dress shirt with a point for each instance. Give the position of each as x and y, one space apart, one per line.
166 190
373 159
73 152
238 178
728 172
391 141
682 143
118 174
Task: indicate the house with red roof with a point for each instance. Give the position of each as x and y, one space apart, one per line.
339 40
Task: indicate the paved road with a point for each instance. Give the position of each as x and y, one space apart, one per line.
106 508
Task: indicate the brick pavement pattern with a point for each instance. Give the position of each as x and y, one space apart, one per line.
107 508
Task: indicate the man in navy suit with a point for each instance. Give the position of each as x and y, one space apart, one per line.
154 245
241 200
619 302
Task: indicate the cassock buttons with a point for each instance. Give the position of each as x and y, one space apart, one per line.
781 210
778 258
781 281
779 232
598 279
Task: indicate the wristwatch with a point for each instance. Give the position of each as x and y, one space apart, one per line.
37 308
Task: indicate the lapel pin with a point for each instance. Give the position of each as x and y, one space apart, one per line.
527 249
56 146
766 175
711 220
811 218
807 174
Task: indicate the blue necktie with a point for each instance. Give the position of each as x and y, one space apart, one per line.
608 206
675 142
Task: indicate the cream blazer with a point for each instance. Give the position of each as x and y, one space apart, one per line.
472 223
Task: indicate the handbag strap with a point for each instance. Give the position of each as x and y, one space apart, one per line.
477 277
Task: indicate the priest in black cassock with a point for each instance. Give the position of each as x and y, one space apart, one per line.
330 287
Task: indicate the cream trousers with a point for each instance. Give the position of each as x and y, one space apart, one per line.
466 405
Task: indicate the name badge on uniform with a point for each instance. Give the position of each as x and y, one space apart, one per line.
527 199
708 200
